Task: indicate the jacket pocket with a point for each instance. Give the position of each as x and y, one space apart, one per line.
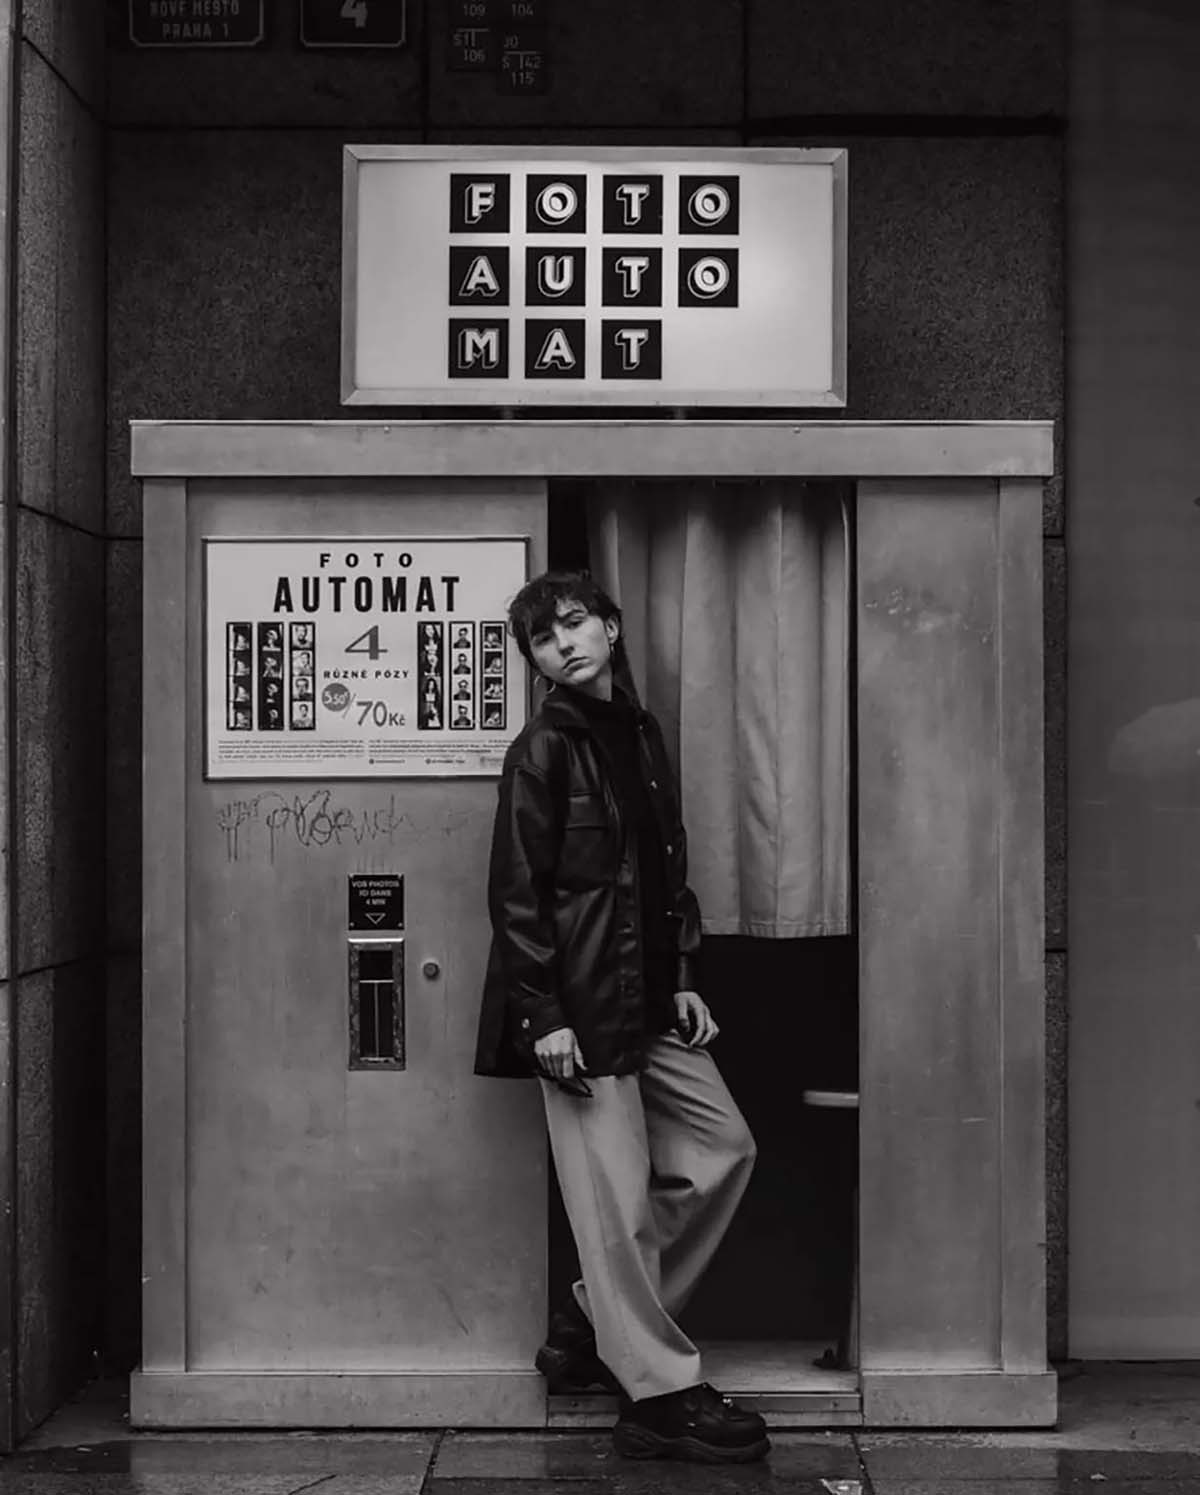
586 856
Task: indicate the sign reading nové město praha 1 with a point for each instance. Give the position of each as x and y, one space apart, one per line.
196 23
479 276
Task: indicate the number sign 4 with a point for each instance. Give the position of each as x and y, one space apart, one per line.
352 23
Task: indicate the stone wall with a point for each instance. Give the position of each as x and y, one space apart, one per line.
57 869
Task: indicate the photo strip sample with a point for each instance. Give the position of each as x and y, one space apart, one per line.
302 660
431 677
463 676
494 680
271 686
239 667
269 678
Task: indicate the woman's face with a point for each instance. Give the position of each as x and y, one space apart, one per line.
576 649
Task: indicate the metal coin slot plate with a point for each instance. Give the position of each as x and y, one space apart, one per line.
376 1003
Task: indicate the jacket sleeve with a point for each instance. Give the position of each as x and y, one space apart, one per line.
685 907
520 898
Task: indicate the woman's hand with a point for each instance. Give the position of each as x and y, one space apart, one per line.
558 1054
695 1021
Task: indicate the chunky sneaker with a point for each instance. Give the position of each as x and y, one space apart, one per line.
568 1359
697 1424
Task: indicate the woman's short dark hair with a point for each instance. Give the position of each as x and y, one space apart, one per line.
536 605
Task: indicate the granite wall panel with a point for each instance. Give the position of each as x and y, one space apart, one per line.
59 746
1056 1155
925 57
955 279
278 85
60 1185
60 289
69 34
123 746
224 284
656 63
123 1161
1054 577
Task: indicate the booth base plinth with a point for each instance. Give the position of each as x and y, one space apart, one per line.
779 1381
330 1399
779 1409
777 1378
951 1399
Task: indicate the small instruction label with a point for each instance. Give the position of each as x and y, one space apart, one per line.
376 900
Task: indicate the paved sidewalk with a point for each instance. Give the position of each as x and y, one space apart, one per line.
1125 1430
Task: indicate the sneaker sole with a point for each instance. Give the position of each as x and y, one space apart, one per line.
633 1442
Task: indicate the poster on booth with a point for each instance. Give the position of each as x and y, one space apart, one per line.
361 657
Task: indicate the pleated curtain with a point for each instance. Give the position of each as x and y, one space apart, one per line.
736 620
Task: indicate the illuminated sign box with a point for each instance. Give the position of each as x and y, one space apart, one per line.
479 276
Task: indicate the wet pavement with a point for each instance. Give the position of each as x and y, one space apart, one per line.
1124 1430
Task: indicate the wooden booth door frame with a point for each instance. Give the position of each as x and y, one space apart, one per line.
950 856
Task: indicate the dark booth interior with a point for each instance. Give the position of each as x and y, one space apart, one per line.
788 1014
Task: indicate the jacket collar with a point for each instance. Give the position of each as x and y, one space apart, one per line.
560 707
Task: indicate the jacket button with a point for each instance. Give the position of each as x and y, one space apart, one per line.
670 849
654 783
524 1022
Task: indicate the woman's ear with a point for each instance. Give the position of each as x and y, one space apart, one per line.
612 626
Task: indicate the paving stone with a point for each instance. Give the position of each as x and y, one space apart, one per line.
927 1462
511 1466
244 1455
993 1486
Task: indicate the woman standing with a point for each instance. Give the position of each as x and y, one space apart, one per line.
591 987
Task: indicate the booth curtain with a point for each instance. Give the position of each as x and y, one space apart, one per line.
735 606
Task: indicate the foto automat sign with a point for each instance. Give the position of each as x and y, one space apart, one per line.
361 657
475 276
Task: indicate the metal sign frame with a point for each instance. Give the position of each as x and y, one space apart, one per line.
568 394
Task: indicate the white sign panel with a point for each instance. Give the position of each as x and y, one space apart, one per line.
477 276
361 657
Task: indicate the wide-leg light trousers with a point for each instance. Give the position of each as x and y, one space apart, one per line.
651 1168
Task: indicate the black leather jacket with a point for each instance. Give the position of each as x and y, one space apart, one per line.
564 901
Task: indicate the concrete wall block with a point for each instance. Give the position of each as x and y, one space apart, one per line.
60 1184
546 135
60 754
123 745
6 802
70 36
941 57
1054 576
224 284
278 84
38 239
123 1140
1056 1155
673 63
955 278
60 324
80 336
